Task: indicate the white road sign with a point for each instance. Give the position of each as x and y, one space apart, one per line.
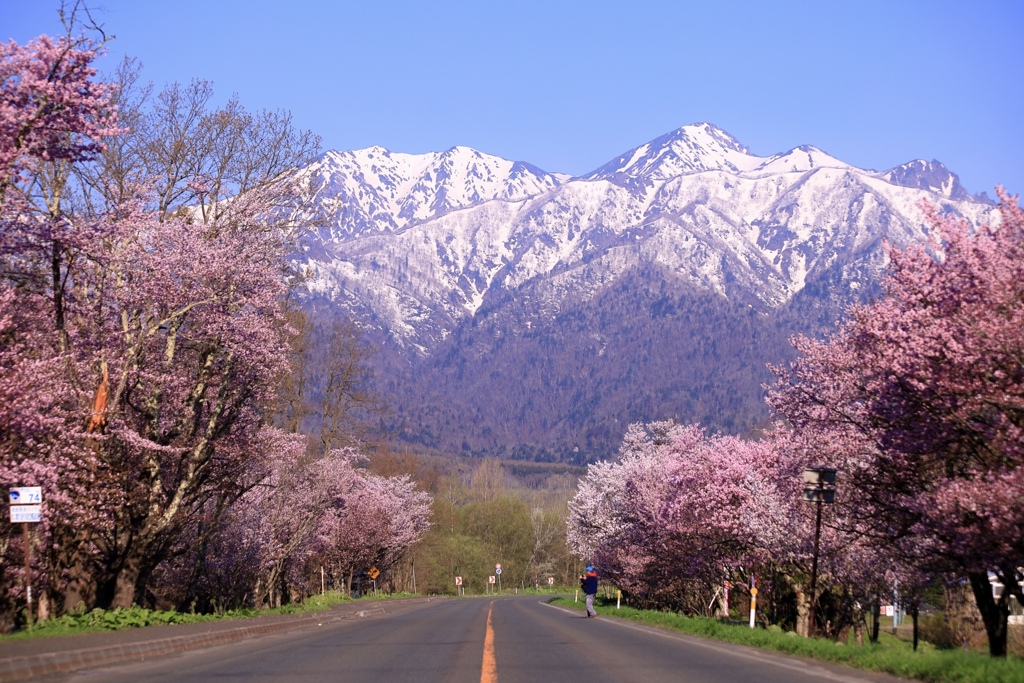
26 513
458 580
26 495
490 579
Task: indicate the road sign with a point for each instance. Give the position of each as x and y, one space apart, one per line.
753 591
497 567
551 581
820 476
373 573
26 495
498 570
490 579
26 513
458 580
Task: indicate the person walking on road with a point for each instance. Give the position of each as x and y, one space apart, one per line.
589 584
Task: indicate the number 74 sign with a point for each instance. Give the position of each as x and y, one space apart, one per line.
26 504
27 495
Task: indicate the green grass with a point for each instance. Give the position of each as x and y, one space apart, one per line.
138 617
381 595
890 655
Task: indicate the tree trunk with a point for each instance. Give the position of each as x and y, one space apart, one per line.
993 614
283 593
859 627
803 611
876 617
127 582
58 295
82 588
191 595
913 615
44 606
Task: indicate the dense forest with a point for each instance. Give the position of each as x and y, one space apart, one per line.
514 383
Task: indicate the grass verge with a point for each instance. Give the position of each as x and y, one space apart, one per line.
889 656
138 617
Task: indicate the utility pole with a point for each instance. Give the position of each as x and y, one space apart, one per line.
819 487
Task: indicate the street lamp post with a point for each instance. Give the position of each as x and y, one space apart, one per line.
819 488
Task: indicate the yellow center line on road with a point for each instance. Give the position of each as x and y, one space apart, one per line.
489 668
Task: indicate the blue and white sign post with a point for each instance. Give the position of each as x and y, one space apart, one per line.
497 572
26 508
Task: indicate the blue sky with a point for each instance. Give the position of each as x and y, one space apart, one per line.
569 85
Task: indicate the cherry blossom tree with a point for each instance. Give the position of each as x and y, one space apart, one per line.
406 510
922 395
682 511
373 526
52 109
678 509
294 505
165 326
52 114
305 513
183 321
853 571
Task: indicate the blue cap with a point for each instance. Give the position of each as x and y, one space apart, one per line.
590 568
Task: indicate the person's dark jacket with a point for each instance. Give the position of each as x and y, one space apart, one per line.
590 583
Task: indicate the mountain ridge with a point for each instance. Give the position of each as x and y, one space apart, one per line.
430 252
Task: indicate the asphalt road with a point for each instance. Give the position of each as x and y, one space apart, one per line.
507 639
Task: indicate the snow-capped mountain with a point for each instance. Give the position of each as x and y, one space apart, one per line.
425 240
799 159
928 175
442 254
374 190
691 149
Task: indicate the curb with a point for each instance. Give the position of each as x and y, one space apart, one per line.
13 669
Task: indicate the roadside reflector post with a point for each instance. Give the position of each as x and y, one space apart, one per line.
618 599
